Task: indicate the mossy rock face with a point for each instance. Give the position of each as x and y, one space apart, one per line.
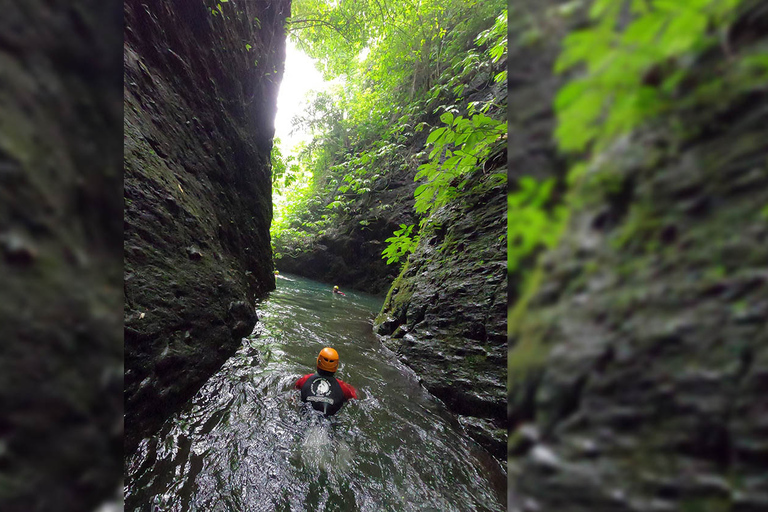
199 120
642 358
445 313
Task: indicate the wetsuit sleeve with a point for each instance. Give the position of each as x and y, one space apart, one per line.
349 391
302 380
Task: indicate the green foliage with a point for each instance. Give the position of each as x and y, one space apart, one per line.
618 90
496 36
459 146
293 225
456 150
391 53
360 172
400 62
530 224
280 165
400 244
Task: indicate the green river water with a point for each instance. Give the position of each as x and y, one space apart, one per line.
245 443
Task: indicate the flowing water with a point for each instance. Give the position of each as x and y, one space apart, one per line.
246 443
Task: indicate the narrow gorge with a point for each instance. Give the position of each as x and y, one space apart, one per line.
548 220
408 200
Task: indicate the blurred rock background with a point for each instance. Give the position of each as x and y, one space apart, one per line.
61 257
639 342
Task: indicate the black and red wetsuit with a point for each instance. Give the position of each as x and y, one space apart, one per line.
325 392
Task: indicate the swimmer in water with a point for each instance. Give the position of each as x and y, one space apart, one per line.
322 389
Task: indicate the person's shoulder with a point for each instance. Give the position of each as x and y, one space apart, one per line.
303 379
348 389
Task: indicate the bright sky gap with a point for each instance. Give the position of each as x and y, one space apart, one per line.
301 76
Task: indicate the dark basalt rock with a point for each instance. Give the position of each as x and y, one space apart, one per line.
199 119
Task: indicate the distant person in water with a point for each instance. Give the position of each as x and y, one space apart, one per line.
322 389
337 291
277 272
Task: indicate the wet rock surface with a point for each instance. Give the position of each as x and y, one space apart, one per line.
641 362
61 370
445 315
199 117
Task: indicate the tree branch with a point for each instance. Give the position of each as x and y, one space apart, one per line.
317 22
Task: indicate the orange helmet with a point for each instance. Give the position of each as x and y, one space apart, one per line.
328 360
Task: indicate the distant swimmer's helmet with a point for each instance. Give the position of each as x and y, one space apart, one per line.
277 272
335 287
328 360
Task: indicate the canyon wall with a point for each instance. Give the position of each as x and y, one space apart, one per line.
201 83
